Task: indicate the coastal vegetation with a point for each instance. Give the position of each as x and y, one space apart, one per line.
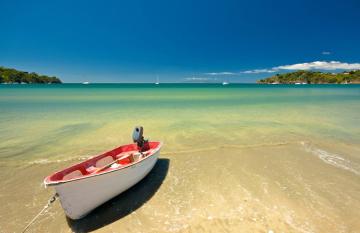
8 75
311 77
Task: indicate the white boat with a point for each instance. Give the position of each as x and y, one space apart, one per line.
157 80
86 185
86 83
225 83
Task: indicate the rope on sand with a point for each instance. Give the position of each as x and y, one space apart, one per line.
50 201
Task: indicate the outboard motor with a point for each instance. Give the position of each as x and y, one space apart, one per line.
138 138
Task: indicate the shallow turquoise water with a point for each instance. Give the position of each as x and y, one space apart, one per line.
40 118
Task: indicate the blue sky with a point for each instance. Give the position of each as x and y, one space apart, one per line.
133 41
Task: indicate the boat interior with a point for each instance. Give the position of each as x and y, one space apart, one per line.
117 158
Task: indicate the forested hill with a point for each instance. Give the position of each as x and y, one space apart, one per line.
8 75
311 77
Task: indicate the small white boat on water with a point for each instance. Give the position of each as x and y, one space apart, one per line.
86 185
157 80
85 83
225 83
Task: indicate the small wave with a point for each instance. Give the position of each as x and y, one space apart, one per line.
224 146
47 161
228 146
332 159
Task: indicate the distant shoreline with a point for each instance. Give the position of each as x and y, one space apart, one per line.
310 77
13 76
181 84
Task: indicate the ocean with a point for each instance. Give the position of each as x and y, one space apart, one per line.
236 158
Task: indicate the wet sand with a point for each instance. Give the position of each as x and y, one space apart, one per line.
283 188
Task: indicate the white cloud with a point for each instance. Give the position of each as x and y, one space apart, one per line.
326 53
221 73
320 65
199 79
316 65
258 71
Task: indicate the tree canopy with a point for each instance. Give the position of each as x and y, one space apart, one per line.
312 77
8 75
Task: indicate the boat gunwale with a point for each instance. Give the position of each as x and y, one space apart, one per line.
47 181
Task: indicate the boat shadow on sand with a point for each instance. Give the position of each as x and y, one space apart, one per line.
125 203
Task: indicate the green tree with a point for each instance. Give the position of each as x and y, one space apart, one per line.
14 76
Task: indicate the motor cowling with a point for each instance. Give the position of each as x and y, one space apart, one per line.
138 138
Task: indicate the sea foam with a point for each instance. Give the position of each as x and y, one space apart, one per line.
333 159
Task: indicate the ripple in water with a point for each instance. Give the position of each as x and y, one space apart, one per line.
332 158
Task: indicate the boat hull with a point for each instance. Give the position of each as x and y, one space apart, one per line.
80 197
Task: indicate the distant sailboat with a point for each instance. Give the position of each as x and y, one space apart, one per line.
86 83
225 82
157 80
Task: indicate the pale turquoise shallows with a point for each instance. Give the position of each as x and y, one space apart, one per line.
50 121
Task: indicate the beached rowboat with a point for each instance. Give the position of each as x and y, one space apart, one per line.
86 185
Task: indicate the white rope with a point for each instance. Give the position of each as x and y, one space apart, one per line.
50 201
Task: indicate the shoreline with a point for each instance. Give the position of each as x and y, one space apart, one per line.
175 83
